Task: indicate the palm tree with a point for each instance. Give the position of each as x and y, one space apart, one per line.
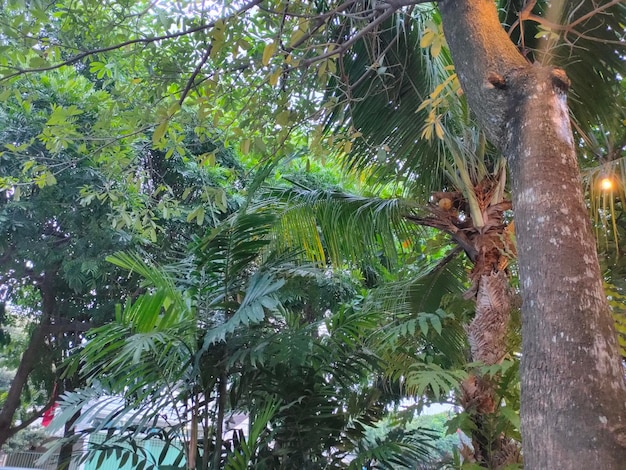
469 205
410 84
357 228
210 336
168 348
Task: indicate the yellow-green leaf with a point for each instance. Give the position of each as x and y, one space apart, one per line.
207 159
198 214
273 80
173 109
50 179
245 45
159 132
427 39
268 52
296 36
436 48
282 118
439 130
244 146
437 90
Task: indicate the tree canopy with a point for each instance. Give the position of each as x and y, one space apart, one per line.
304 212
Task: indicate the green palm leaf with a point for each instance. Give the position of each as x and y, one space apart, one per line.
591 52
343 227
259 297
381 95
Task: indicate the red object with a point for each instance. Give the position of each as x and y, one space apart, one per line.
48 415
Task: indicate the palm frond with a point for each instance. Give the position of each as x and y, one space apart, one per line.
386 79
398 449
424 291
259 297
343 227
234 245
163 306
591 52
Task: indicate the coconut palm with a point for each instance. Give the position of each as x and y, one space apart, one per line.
361 228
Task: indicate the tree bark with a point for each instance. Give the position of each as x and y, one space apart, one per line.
489 247
573 392
67 449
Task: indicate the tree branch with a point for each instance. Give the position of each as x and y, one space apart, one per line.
526 14
457 235
192 79
34 417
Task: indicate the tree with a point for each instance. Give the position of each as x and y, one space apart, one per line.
358 228
524 113
62 211
210 337
508 97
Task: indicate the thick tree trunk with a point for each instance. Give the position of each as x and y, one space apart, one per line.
573 397
573 392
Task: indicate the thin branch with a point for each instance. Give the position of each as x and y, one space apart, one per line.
526 14
192 79
346 45
594 12
34 417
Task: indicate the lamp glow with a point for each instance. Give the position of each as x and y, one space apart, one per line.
606 184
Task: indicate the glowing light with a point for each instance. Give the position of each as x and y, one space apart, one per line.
606 184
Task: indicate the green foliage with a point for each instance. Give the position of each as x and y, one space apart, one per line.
445 444
26 440
135 134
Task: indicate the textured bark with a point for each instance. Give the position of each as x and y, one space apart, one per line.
573 392
573 395
484 56
67 449
222 398
487 338
489 247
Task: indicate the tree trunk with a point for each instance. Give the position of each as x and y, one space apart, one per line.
573 392
488 245
478 397
193 437
487 337
219 419
65 454
13 400
28 361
